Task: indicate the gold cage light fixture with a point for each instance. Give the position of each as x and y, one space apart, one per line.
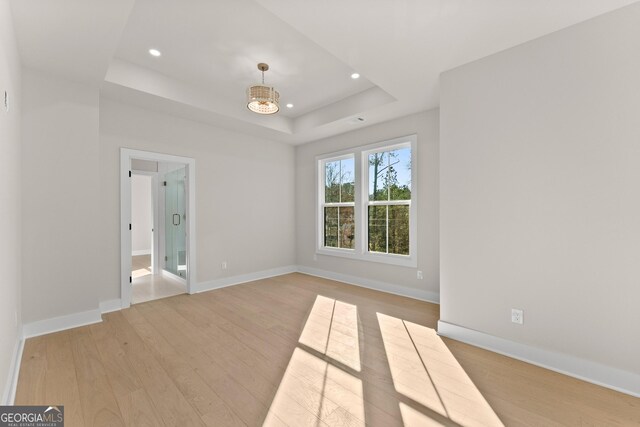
263 99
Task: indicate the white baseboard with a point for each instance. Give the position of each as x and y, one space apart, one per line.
110 305
170 275
422 295
9 394
47 326
596 373
142 252
419 294
243 278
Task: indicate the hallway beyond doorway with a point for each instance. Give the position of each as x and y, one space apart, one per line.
146 286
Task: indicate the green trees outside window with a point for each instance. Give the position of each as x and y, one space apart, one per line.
389 201
339 221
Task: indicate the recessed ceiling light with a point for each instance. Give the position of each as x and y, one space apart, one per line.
355 76
154 52
289 105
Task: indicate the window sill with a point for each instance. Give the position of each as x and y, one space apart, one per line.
399 260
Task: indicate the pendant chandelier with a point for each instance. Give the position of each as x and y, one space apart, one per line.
263 99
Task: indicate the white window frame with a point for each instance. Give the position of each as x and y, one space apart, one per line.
361 198
323 204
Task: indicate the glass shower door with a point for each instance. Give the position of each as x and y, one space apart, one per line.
175 223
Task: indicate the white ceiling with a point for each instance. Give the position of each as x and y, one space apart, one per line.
71 38
219 52
210 50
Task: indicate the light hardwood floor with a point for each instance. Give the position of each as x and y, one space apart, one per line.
141 263
147 286
299 351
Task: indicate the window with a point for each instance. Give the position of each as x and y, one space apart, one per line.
338 205
367 203
389 201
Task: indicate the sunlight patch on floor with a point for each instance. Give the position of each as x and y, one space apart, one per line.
424 370
314 392
332 330
413 417
319 387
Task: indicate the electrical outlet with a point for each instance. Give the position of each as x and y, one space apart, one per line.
224 265
517 316
419 275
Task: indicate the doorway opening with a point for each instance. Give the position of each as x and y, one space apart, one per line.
158 229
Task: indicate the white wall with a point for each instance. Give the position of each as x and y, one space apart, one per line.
60 223
141 214
244 192
10 190
540 192
425 125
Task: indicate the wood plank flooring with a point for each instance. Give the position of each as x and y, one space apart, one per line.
296 350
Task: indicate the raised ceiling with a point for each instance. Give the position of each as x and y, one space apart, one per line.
217 52
210 50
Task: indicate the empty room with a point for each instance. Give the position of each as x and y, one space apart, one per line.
329 213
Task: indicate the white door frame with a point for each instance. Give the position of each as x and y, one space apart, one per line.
126 154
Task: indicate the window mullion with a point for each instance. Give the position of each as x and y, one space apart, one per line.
388 155
389 202
339 185
387 228
338 205
338 236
